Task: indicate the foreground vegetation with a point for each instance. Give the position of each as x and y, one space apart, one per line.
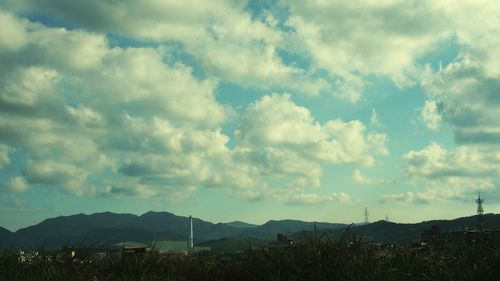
310 259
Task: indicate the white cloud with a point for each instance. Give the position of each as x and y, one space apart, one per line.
467 89
360 178
468 101
93 120
451 174
408 197
352 39
144 127
27 86
311 198
292 196
286 145
223 36
71 123
428 196
13 35
430 116
342 43
84 115
374 120
16 184
436 162
464 94
275 121
475 25
4 156
75 49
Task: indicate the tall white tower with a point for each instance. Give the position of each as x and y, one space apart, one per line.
190 234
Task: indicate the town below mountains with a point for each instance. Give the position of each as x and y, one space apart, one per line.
106 229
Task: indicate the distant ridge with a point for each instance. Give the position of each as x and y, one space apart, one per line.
240 224
110 228
269 229
385 231
104 229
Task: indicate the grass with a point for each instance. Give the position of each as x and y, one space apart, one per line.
313 258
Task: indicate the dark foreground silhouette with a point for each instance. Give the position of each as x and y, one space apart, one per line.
312 258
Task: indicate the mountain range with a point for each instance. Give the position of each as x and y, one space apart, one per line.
385 231
105 229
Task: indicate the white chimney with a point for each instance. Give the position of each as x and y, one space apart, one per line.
190 235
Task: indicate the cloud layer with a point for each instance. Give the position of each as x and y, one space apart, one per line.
96 120
100 98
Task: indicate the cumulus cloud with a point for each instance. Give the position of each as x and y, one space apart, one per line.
275 121
374 120
360 178
268 50
294 196
95 120
16 184
463 94
450 174
467 89
284 142
317 47
430 116
408 197
311 198
235 47
4 156
72 123
475 26
335 36
14 32
436 162
428 196
468 101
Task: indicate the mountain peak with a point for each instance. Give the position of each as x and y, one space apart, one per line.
4 231
240 224
156 214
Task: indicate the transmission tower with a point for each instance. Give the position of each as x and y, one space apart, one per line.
480 212
366 216
479 202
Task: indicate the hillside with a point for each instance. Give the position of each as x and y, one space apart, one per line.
5 237
229 245
269 230
109 228
240 224
104 229
384 231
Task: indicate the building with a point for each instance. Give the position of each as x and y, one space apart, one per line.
176 247
130 248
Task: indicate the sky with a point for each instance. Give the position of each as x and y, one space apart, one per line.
249 110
